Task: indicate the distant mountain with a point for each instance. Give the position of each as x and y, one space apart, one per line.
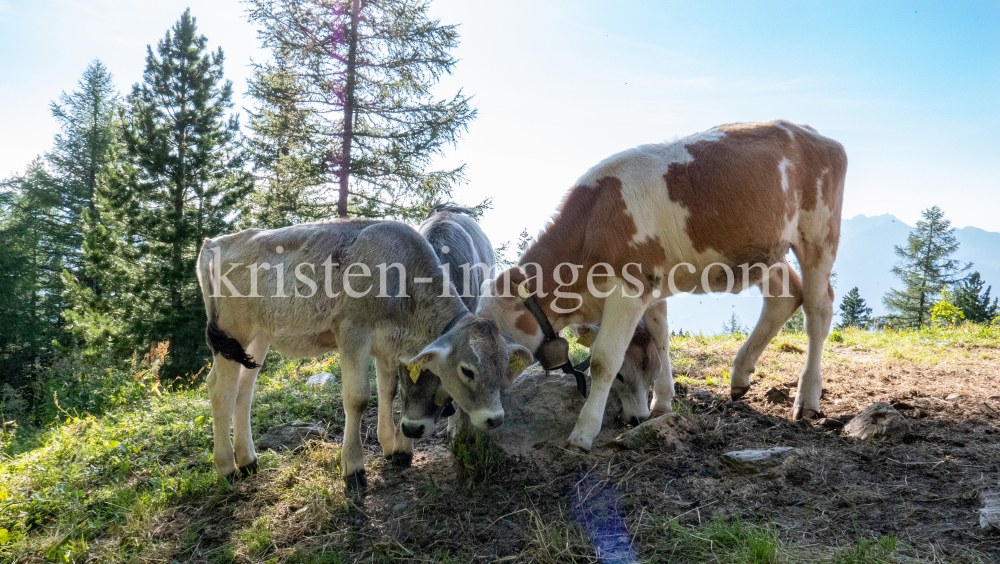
864 258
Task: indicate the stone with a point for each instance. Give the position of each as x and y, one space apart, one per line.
954 396
290 436
830 423
321 379
543 408
989 515
398 508
664 432
877 421
775 395
755 460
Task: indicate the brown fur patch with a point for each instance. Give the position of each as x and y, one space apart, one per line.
526 323
734 193
326 339
593 226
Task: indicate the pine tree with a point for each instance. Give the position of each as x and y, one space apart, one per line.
733 326
523 242
350 82
854 312
287 159
179 181
924 269
973 301
87 118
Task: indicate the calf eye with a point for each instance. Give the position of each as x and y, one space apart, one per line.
620 377
468 373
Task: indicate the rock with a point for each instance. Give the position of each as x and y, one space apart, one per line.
540 408
664 431
879 421
702 396
398 508
774 395
753 461
954 396
830 423
321 379
989 515
290 436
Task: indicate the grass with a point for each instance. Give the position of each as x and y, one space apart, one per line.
477 455
724 540
869 551
137 483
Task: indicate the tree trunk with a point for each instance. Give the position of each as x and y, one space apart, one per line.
345 157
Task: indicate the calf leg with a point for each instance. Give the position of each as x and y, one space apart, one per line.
223 382
773 315
246 457
395 445
655 319
621 315
817 304
356 391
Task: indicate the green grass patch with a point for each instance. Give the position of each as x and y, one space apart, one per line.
478 457
869 551
723 540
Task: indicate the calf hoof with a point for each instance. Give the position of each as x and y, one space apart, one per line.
402 459
356 482
736 392
248 470
231 477
809 414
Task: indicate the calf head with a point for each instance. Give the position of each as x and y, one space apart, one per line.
639 368
473 362
423 402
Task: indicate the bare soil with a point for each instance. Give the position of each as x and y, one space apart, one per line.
610 505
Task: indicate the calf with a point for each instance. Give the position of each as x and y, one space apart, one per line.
717 211
399 315
640 367
466 258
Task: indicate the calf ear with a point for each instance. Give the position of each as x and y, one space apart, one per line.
431 355
520 358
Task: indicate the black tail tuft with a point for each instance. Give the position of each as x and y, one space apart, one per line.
220 342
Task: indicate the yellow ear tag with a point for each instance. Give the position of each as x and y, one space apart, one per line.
515 364
585 340
523 292
415 370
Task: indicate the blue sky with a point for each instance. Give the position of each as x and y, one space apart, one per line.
912 89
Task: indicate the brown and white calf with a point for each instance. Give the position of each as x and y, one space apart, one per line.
667 218
303 290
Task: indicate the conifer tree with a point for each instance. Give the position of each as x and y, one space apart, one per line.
973 301
924 269
854 312
351 79
178 182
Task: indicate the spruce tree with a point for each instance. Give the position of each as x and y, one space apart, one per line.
924 269
854 312
973 301
178 182
351 79
87 119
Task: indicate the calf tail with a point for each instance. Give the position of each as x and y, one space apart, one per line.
218 340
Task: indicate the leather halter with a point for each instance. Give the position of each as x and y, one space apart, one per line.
553 353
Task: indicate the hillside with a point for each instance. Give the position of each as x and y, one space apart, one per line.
865 256
137 485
